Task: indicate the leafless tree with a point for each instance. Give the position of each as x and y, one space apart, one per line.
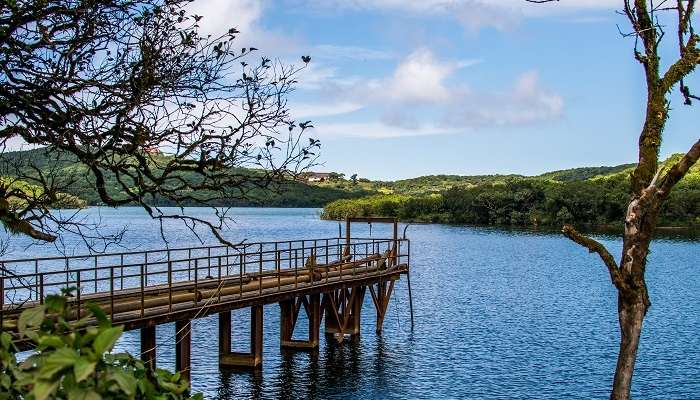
651 183
149 110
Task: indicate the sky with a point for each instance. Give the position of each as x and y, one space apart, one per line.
404 88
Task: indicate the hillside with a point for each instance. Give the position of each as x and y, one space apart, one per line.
80 184
596 196
593 195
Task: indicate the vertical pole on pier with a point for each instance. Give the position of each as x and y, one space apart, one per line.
356 309
2 299
380 306
183 346
224 332
246 360
314 319
287 321
347 231
256 335
289 313
395 251
148 346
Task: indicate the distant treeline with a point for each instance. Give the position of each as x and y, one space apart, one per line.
525 201
78 184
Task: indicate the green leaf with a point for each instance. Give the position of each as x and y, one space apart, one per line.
92 395
106 339
55 303
30 318
57 361
6 341
50 341
43 389
126 383
100 315
83 368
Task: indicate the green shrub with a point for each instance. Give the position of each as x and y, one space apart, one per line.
72 361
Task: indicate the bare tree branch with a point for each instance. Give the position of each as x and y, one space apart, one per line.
679 169
596 247
151 112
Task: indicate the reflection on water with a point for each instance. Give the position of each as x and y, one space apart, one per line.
500 314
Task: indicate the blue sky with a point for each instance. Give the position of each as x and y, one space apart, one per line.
399 89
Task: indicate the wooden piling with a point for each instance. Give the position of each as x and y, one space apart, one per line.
289 314
224 332
148 346
252 359
183 346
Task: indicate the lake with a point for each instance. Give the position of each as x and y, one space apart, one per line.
499 315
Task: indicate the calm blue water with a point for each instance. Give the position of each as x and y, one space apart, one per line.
499 315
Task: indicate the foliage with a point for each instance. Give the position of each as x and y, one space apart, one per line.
599 200
285 193
72 361
18 193
148 109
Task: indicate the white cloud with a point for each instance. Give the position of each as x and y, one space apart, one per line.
375 130
221 15
315 110
420 78
423 96
244 15
525 102
474 14
328 51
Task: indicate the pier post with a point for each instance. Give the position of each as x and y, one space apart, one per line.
314 319
381 298
289 314
256 335
224 332
343 309
252 359
148 346
183 346
358 298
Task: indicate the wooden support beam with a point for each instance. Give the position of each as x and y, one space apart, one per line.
256 334
333 324
356 310
314 319
289 314
252 359
148 346
343 308
183 347
225 332
380 298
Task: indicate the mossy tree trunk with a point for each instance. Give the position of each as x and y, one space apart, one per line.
650 183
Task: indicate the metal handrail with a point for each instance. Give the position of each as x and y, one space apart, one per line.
93 278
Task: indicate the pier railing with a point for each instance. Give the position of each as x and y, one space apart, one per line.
146 276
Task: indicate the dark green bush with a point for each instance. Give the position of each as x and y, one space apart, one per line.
71 360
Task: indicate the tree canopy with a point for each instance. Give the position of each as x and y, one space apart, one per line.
130 90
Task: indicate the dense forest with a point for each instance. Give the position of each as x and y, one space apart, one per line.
596 196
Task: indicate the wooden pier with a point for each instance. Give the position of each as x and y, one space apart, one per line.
326 279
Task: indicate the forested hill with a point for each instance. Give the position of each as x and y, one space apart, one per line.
596 196
290 193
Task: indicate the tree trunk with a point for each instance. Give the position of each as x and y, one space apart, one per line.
631 312
632 296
